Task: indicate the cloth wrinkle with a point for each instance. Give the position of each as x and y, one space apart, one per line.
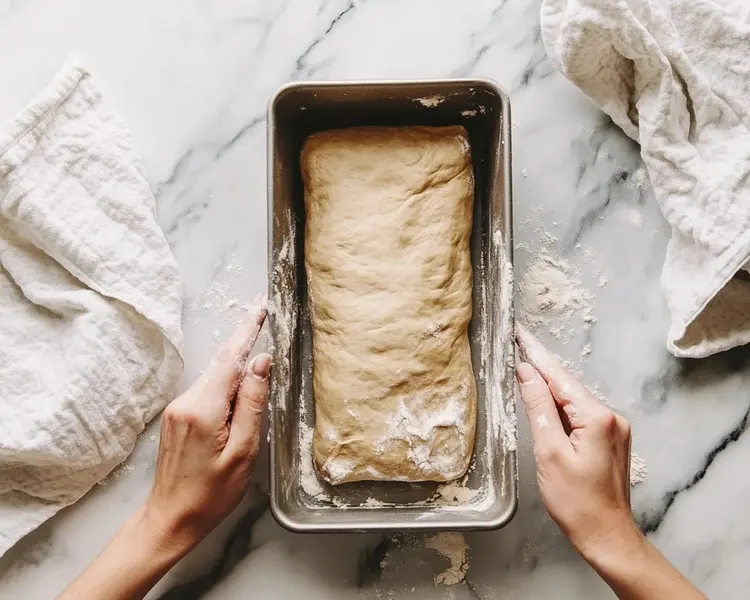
90 302
671 74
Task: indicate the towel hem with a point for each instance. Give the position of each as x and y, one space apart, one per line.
740 254
56 92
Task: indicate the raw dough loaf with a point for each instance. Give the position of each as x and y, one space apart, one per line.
389 216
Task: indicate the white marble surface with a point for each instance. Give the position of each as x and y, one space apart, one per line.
192 80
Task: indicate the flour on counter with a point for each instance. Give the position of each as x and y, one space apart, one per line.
639 179
453 547
216 301
553 296
638 469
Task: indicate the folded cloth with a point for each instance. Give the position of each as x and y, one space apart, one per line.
90 303
675 76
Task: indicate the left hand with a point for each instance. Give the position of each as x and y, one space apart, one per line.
210 438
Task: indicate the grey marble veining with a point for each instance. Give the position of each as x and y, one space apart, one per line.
192 80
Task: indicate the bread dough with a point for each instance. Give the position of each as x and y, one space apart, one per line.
389 216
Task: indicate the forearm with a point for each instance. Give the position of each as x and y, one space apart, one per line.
131 564
636 570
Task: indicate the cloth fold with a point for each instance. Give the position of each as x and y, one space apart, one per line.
675 76
90 302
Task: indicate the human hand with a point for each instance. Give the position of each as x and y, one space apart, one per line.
582 451
210 437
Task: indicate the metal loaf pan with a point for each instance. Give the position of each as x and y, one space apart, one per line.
300 500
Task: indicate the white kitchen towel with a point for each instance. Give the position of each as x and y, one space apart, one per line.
675 76
90 303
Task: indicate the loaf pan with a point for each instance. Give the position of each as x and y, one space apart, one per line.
487 497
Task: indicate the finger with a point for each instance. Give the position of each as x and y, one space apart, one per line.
579 404
228 367
546 428
244 432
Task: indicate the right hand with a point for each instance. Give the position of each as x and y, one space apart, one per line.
582 451
210 439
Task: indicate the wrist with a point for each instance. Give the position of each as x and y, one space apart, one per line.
621 540
162 535
618 554
135 559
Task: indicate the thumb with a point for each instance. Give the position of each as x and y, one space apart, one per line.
244 432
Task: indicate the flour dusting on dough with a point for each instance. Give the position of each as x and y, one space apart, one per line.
417 424
465 148
338 468
433 330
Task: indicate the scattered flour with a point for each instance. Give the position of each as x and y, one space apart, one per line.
215 296
453 492
308 476
431 101
453 547
417 424
283 310
633 216
638 469
216 300
338 468
639 179
553 296
233 265
373 503
434 329
502 405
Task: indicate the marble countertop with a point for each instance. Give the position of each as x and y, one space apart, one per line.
192 80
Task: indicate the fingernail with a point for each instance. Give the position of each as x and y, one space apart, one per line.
261 366
525 372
